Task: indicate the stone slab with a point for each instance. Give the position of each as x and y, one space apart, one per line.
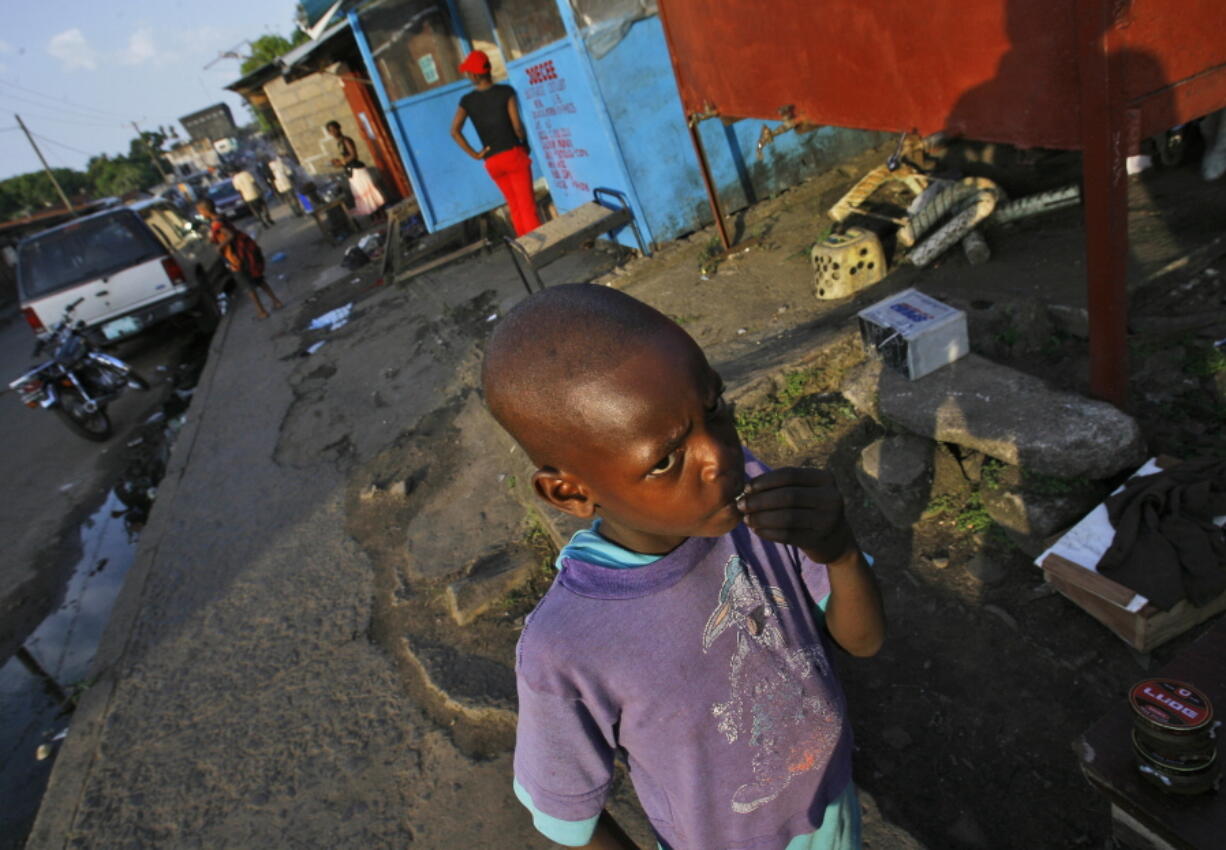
896 472
1003 413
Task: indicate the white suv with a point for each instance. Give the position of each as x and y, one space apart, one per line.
134 265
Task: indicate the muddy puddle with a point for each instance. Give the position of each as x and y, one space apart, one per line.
40 683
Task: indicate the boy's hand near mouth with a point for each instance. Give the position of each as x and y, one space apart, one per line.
799 507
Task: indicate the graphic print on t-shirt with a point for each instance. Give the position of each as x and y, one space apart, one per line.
773 704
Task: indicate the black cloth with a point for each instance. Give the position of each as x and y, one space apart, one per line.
1166 546
488 111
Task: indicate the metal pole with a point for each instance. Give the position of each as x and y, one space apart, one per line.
152 155
705 170
1104 147
46 167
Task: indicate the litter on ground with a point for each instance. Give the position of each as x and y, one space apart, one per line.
333 319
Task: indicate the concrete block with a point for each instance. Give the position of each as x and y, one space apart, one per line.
896 472
861 387
1033 514
1009 415
948 476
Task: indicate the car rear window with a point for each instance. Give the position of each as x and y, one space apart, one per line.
221 190
82 251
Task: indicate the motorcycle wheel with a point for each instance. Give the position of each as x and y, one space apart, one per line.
94 426
137 381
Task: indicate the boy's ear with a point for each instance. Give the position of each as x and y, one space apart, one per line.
564 491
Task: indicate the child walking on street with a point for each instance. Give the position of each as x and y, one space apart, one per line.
242 255
690 628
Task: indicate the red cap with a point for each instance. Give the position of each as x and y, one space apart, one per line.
475 63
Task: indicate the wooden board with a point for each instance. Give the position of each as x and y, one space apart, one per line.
1142 630
553 238
1105 750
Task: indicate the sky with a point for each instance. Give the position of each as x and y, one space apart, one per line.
79 72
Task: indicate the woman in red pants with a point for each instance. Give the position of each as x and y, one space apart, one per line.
494 111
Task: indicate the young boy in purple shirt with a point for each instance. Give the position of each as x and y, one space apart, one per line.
688 630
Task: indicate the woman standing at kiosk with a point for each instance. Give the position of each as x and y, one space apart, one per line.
494 111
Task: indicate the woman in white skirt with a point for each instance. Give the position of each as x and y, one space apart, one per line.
367 199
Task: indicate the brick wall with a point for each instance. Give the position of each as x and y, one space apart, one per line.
303 107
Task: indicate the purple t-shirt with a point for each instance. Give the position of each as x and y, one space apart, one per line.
708 669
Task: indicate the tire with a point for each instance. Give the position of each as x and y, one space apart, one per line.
94 426
137 381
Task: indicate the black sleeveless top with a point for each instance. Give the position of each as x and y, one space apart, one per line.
488 111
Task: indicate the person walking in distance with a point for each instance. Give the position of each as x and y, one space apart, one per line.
283 183
245 182
242 255
494 110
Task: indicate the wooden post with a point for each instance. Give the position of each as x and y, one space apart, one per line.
1104 145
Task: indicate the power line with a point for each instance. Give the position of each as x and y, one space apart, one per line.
103 113
63 117
41 137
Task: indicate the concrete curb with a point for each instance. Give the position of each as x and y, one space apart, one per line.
58 812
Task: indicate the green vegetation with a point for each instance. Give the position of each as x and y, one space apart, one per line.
973 516
266 48
968 514
796 398
1205 361
104 176
1050 485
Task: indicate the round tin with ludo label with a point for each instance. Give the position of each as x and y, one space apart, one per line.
1173 736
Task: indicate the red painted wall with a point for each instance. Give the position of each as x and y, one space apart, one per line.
995 70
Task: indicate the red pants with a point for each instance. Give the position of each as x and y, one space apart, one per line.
512 171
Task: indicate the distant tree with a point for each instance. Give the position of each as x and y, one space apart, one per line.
104 176
266 48
26 194
117 175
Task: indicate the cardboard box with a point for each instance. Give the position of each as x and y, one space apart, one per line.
1069 566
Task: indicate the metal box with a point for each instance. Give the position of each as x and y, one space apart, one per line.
913 333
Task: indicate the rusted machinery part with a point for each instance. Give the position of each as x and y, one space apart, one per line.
954 230
911 147
867 185
944 202
1043 202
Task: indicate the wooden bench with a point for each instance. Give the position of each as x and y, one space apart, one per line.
540 247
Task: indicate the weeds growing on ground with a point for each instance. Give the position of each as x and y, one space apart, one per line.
968 513
1205 361
796 397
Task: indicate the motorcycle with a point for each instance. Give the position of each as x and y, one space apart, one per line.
78 382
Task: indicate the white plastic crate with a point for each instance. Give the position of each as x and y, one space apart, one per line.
913 333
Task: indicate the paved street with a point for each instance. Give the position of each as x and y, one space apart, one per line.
241 701
53 479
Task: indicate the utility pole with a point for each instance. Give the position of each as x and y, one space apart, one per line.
152 155
46 167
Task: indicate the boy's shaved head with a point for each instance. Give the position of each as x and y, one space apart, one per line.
545 359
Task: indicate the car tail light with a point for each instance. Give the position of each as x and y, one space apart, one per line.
35 323
173 271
